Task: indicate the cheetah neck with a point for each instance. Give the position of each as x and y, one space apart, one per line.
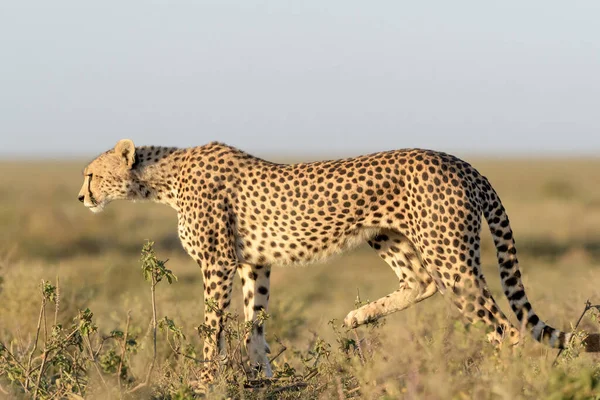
155 174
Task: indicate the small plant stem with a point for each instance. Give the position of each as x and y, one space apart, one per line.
75 374
89 345
99 349
154 323
35 343
123 352
45 325
238 349
16 361
154 326
39 378
57 301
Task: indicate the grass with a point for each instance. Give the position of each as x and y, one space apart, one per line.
425 352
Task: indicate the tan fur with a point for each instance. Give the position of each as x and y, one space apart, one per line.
420 210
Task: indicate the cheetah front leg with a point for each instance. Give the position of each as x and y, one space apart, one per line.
217 297
255 286
210 243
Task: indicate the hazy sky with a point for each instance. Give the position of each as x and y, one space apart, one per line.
305 76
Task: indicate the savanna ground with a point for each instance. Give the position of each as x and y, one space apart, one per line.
424 352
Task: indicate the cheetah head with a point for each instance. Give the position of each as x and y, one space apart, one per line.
107 177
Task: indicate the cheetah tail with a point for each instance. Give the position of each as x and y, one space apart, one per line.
510 276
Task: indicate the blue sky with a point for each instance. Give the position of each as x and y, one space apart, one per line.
328 77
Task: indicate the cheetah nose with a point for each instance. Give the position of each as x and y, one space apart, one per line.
80 198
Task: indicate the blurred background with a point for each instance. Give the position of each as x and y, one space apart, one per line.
512 87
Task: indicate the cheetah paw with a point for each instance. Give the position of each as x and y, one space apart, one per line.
355 318
199 388
352 319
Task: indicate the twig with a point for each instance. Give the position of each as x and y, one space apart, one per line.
3 391
281 351
351 391
311 374
339 387
293 386
359 347
588 306
272 380
283 348
59 393
178 352
3 346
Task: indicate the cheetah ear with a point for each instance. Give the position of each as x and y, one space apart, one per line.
126 150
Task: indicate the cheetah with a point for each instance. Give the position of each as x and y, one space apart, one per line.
420 210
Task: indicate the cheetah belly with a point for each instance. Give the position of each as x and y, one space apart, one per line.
283 249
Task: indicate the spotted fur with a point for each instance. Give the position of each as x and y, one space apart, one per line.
420 210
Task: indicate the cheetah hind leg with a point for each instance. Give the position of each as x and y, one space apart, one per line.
415 283
464 284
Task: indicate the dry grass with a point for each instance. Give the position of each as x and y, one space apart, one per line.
423 352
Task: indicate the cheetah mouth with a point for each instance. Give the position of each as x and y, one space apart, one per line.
95 207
